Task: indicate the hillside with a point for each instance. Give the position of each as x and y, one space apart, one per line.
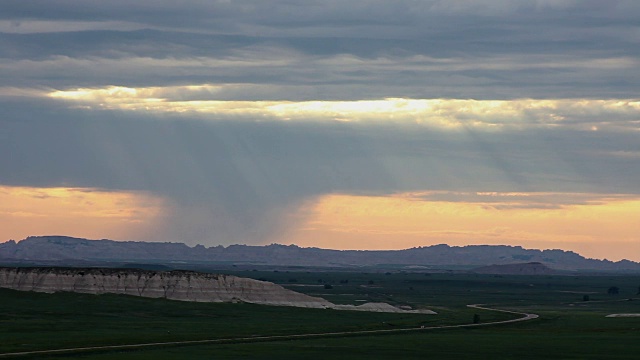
532 268
61 249
172 285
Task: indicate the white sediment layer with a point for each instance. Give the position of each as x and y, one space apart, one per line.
380 307
623 315
173 285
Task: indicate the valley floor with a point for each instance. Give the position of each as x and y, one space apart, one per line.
569 326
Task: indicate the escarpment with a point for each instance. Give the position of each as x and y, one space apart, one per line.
174 285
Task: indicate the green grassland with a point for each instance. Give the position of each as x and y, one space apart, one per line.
569 327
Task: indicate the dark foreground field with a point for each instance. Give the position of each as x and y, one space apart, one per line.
572 323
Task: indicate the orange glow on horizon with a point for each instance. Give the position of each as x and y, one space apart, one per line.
600 228
591 225
82 212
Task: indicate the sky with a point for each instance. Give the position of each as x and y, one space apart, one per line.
333 124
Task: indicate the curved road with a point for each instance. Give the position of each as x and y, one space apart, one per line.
525 317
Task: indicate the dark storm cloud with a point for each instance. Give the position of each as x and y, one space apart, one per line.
228 181
422 49
230 178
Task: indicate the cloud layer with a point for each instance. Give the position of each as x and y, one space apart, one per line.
325 50
239 114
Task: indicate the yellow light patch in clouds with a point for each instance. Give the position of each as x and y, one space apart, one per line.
90 213
593 226
445 113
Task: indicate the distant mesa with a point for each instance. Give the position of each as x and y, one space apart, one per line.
64 250
531 268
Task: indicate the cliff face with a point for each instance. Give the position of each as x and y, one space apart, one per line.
174 285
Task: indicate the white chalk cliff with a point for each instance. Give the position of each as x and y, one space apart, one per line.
174 285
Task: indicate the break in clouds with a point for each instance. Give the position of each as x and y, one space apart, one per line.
196 125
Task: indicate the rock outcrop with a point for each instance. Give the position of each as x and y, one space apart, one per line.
174 285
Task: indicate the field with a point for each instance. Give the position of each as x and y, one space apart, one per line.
572 323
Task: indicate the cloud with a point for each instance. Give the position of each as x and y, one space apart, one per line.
517 200
235 180
583 114
237 114
330 51
44 26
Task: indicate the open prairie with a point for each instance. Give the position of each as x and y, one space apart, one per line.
572 322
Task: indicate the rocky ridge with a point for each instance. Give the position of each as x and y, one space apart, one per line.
173 285
54 250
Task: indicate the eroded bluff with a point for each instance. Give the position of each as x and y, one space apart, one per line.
174 285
